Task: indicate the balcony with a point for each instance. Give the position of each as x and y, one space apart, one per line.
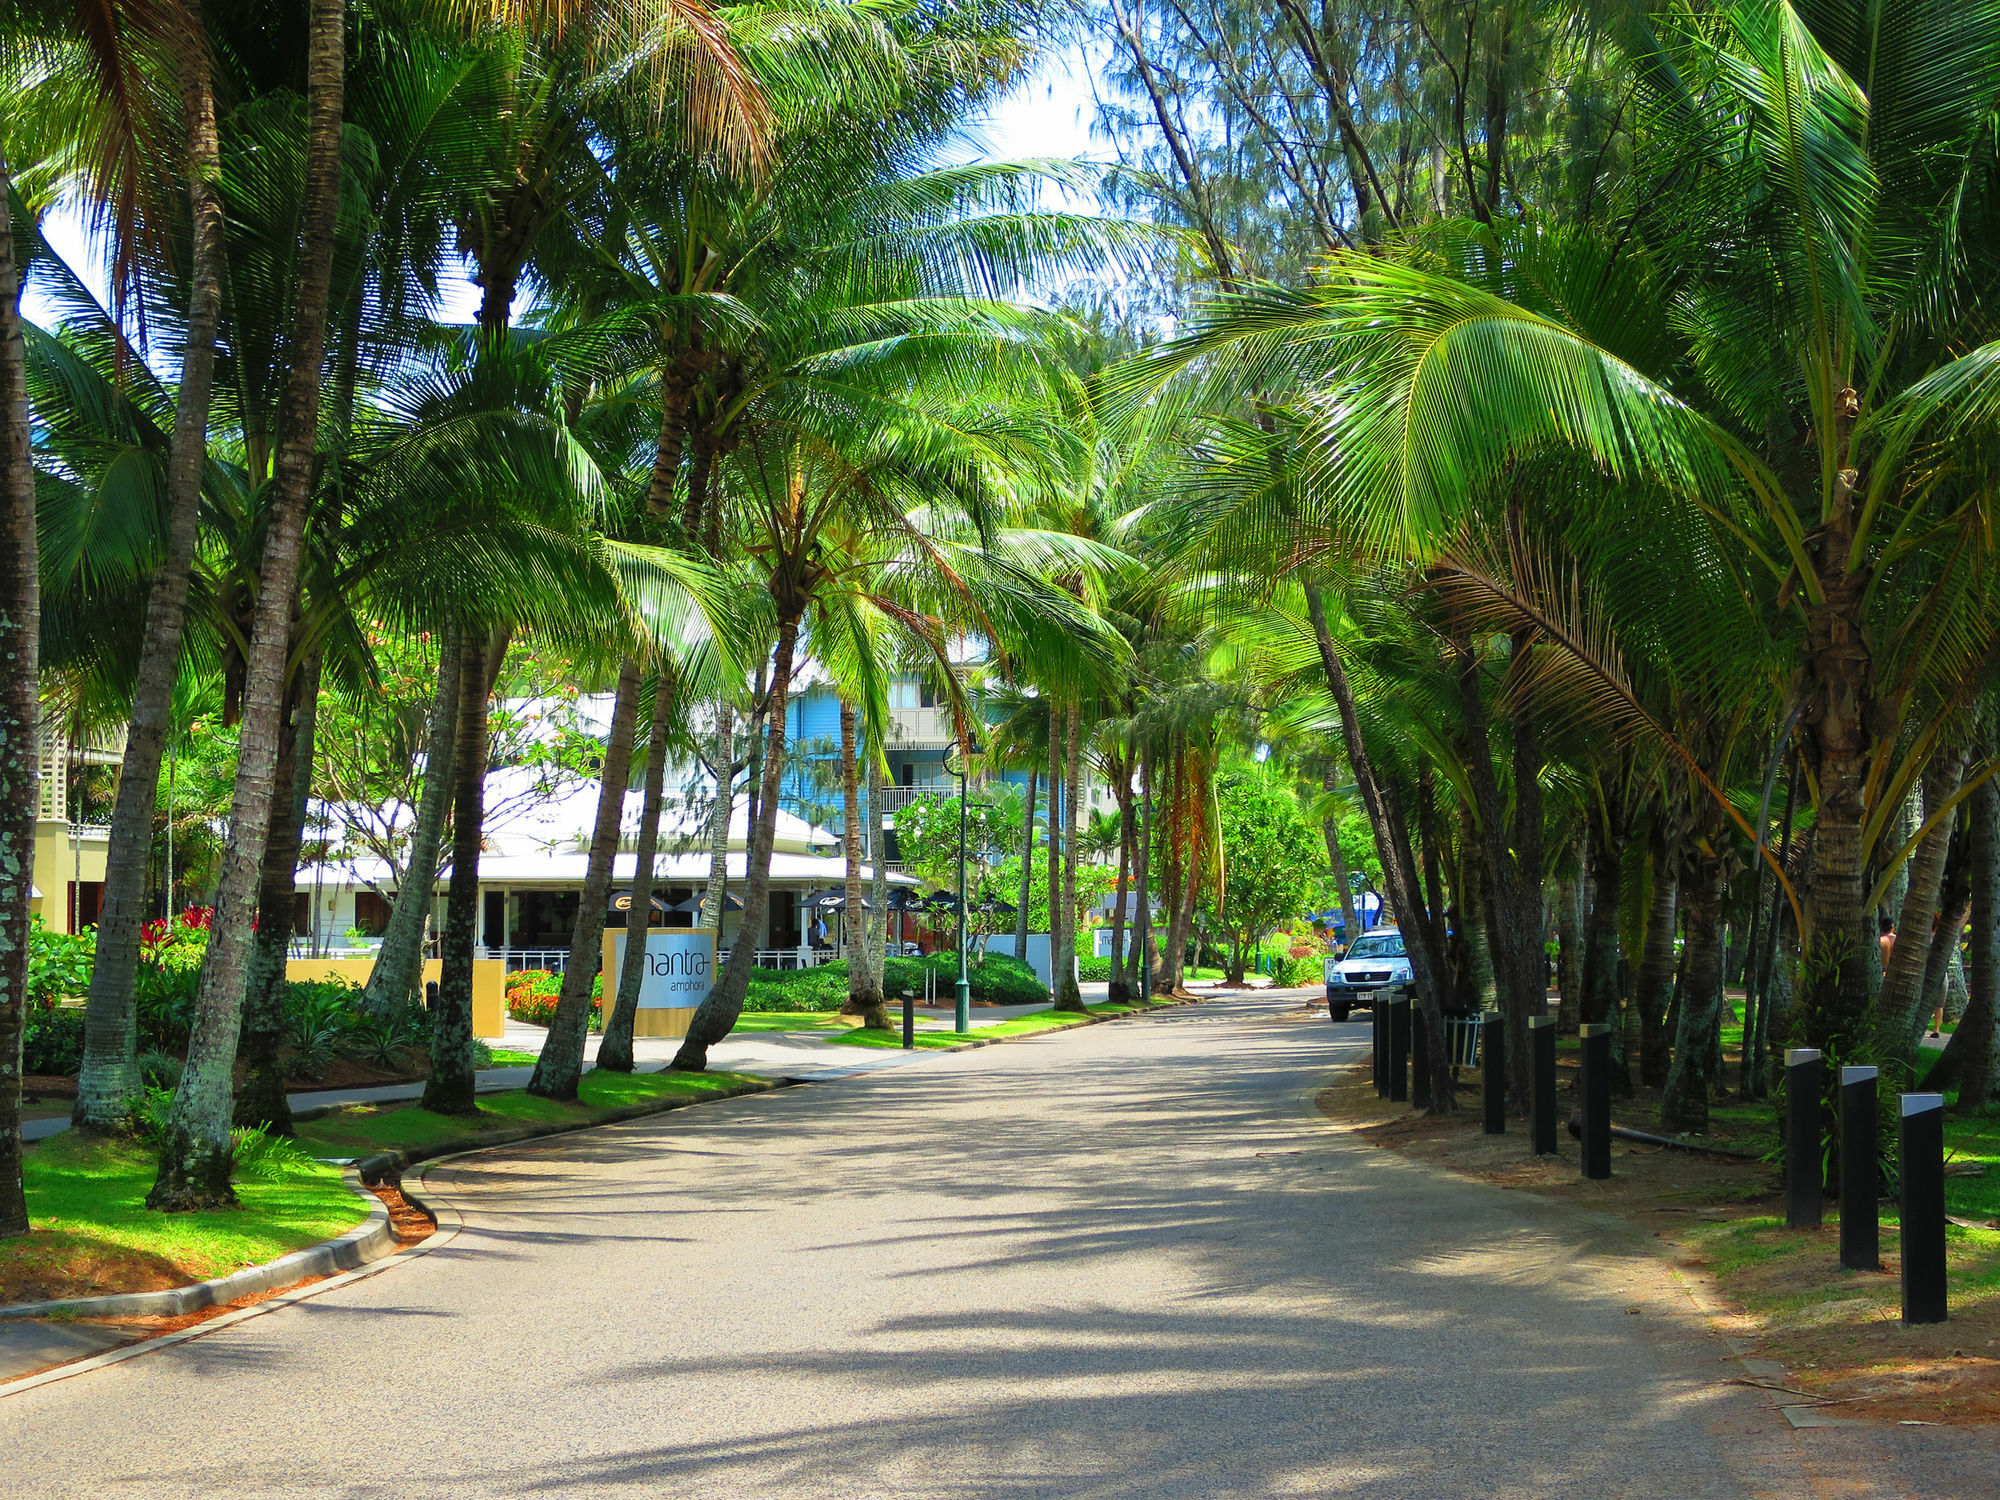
921 728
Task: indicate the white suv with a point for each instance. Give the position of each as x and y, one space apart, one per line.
1377 961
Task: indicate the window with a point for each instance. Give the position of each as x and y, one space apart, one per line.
1384 945
902 694
926 696
371 913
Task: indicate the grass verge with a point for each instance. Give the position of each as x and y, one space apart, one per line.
362 1129
1041 1020
93 1233
793 1020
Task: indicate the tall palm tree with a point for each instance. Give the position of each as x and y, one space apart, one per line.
1844 141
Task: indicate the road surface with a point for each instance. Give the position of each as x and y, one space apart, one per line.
1125 1261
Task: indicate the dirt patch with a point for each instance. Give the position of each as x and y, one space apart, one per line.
1839 1334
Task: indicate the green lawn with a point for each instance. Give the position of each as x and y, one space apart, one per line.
502 1057
794 1020
1041 1020
362 1129
93 1232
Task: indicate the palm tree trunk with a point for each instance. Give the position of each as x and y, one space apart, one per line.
1389 823
1057 814
1142 913
716 1015
195 1152
1118 992
615 1050
1598 976
1067 995
1898 1018
449 1088
1839 941
1684 1106
260 1100
20 710
1654 987
399 960
1336 859
876 926
1513 885
864 990
108 1080
723 762
1027 865
1971 1057
561 1063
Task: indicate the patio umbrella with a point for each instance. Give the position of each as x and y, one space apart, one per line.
621 901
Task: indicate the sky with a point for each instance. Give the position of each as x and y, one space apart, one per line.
1048 113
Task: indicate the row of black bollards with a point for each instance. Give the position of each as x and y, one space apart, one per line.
1920 1146
1401 1038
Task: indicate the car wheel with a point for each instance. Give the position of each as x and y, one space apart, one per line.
1340 1012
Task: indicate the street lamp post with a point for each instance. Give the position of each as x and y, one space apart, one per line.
955 764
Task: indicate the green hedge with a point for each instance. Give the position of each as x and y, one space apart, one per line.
997 978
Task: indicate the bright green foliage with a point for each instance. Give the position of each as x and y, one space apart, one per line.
58 963
86 1195
1276 861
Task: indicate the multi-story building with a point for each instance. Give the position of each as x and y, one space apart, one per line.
69 853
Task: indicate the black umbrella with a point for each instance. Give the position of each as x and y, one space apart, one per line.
939 902
621 901
993 906
832 900
902 898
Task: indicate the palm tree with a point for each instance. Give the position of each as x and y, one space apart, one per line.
20 710
1675 366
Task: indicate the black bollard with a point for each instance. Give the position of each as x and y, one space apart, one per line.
1378 1041
1542 1100
1921 1145
430 994
1399 1050
909 1021
1596 1101
1860 1185
1420 1058
1493 1070
1805 1185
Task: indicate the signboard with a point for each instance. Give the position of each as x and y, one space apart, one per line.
678 974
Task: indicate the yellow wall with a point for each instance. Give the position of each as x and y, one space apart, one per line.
56 864
489 985
673 1022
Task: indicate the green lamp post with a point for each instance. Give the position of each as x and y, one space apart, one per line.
957 763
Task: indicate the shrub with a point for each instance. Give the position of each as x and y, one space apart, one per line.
1302 969
820 989
997 977
1093 970
53 1044
532 995
59 963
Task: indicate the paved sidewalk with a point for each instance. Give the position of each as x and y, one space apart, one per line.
1116 1263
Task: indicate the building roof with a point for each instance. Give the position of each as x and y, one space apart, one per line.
562 870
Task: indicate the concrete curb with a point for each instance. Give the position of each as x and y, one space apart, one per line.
1028 1036
388 1166
443 1214
367 1241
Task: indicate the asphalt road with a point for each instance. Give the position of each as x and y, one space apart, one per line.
1126 1261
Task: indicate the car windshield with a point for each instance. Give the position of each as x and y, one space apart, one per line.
1388 945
